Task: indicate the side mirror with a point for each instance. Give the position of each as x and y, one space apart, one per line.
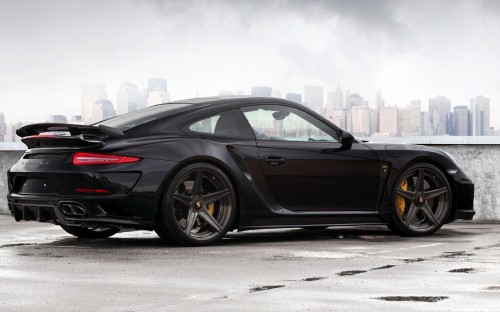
346 139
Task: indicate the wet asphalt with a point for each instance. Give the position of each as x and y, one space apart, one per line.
338 269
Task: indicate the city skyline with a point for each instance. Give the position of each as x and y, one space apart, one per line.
407 49
346 109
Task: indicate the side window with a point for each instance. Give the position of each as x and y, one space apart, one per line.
282 123
206 125
222 124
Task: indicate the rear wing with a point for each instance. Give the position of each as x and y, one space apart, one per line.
65 135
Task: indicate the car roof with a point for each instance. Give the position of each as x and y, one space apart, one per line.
231 100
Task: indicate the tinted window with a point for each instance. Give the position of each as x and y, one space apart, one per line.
282 123
223 124
142 116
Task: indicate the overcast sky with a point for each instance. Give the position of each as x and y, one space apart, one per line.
408 49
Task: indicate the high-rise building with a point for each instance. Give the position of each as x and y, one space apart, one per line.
3 128
157 92
276 93
338 118
379 104
346 99
156 84
103 109
225 93
460 121
58 119
295 97
348 120
76 119
313 98
480 111
409 119
439 108
91 93
355 100
388 119
425 124
334 101
261 91
361 119
379 101
10 133
128 98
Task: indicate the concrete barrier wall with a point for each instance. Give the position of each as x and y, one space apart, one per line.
7 159
480 162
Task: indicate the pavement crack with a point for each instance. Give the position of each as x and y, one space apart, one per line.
267 287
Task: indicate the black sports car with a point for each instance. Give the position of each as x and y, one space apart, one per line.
192 170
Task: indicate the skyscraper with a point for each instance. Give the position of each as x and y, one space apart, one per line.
379 101
439 108
355 100
3 127
102 109
127 99
91 93
334 101
388 119
313 98
157 92
409 119
296 97
361 119
480 111
261 91
58 119
460 121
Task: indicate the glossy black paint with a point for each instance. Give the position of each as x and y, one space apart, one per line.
277 183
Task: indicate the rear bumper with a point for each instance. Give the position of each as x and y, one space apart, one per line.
74 211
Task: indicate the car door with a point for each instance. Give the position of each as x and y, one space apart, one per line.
304 165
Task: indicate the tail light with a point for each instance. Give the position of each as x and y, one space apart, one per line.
80 159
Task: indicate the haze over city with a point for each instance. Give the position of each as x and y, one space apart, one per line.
409 50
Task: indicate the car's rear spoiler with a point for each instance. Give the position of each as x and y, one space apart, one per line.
36 135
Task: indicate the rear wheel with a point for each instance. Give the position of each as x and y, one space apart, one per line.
421 201
198 207
82 232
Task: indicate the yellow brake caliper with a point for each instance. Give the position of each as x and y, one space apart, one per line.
211 208
400 200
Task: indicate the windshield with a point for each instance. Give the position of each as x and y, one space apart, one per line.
142 116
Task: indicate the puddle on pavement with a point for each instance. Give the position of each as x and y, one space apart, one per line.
463 270
349 273
431 299
312 279
413 260
267 287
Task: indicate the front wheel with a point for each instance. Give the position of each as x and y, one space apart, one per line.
421 201
198 208
82 232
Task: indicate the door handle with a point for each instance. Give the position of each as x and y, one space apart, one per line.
274 160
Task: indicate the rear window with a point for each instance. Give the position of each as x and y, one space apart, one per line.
142 116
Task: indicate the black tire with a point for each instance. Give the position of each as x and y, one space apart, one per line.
198 206
82 232
421 201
